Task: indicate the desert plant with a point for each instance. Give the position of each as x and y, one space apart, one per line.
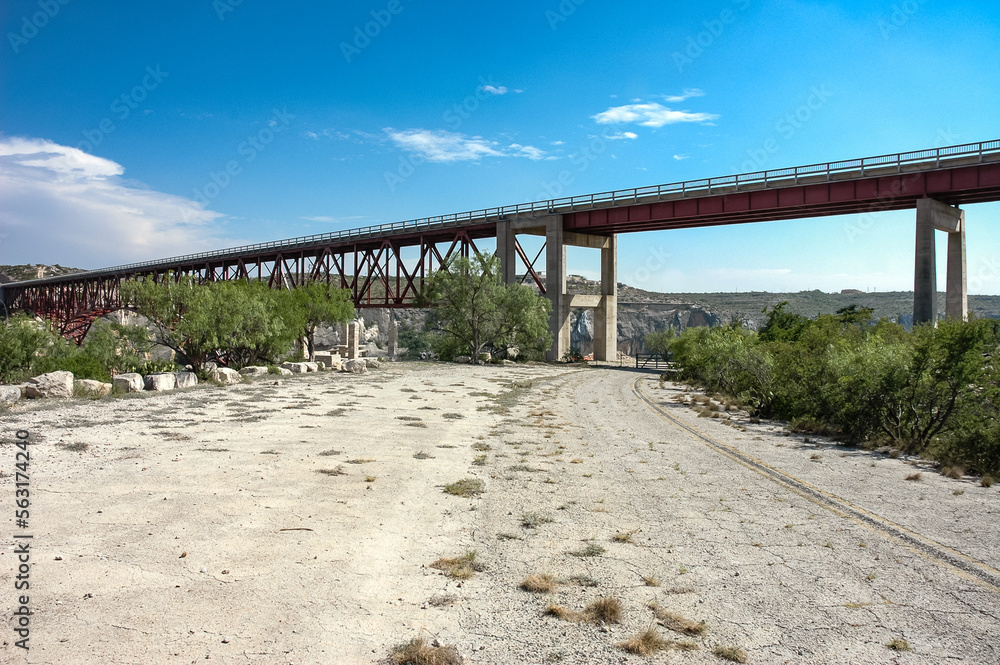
467 487
542 583
418 652
646 643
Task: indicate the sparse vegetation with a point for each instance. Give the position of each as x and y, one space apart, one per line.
418 652
542 583
915 476
899 644
534 520
730 653
339 471
422 455
462 568
986 481
646 643
591 549
677 622
604 610
651 580
467 487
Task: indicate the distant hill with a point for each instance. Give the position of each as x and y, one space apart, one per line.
26 272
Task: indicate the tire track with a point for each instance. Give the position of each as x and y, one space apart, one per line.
942 554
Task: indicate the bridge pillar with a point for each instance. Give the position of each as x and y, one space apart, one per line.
506 252
555 288
934 216
606 313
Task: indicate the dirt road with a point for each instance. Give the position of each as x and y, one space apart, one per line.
297 524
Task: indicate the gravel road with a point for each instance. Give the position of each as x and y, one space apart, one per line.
296 523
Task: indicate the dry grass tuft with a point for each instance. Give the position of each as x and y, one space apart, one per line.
651 580
339 471
734 654
592 549
645 643
986 481
359 461
953 472
422 455
915 476
462 568
543 583
418 652
560 612
467 487
899 644
604 610
534 520
80 446
623 537
676 622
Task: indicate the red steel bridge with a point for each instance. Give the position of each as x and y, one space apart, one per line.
385 265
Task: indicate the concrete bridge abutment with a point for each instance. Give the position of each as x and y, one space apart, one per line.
933 215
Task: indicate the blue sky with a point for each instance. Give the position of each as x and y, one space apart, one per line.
133 131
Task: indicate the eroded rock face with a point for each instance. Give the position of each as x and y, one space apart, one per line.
92 387
227 376
51 385
186 379
130 382
254 370
10 394
161 382
357 366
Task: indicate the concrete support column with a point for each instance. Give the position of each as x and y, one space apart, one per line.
606 314
353 330
937 216
393 339
555 287
957 301
506 252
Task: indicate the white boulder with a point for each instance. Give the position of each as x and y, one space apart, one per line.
130 382
227 376
93 388
186 379
372 363
9 394
53 384
357 366
160 382
296 368
284 372
311 367
254 370
463 359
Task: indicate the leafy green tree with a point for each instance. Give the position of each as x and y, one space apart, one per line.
782 326
315 304
22 339
660 341
474 309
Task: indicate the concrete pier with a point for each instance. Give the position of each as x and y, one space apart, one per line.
934 216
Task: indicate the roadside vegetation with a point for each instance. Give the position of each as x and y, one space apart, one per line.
934 392
235 323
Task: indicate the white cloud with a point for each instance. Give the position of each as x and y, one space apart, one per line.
681 158
61 205
650 114
687 94
494 89
622 135
443 146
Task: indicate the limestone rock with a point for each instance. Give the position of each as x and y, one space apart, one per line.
227 376
321 365
337 364
130 382
357 366
296 368
53 384
9 394
463 359
186 379
311 367
372 363
254 370
161 382
326 357
94 388
284 372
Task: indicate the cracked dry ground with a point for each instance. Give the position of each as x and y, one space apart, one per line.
286 564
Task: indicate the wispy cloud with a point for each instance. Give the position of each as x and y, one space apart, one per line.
61 205
494 89
443 146
684 96
650 114
621 135
681 158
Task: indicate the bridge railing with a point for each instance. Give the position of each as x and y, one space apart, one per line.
931 157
